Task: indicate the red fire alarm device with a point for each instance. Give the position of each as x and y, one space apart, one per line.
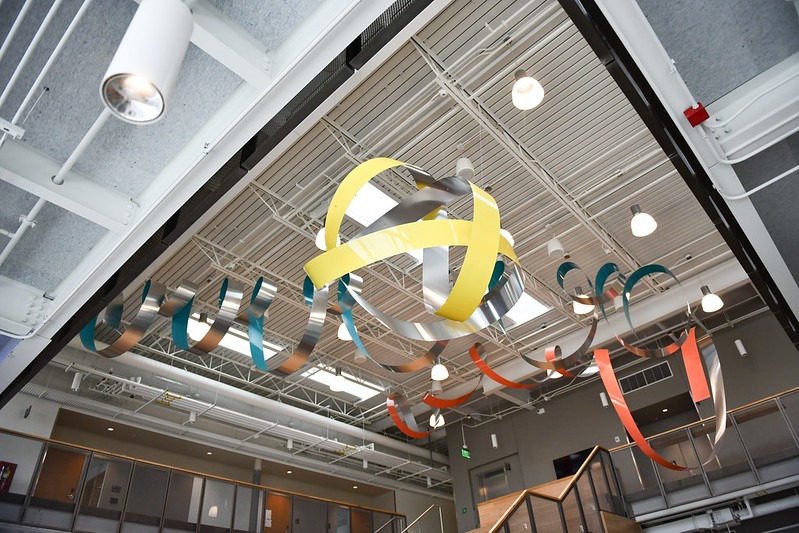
696 114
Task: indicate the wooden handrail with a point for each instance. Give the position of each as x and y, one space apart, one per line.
710 418
532 491
192 472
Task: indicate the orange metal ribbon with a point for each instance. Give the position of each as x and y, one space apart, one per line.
474 353
392 405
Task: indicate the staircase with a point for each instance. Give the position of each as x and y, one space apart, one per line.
588 501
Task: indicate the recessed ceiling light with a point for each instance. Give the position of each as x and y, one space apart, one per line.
355 486
209 453
110 429
665 409
288 471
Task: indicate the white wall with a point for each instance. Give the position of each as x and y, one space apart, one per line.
39 422
412 505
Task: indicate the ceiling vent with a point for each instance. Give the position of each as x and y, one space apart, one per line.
645 377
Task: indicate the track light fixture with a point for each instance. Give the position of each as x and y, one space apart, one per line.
555 248
710 302
642 224
464 168
144 69
527 93
439 372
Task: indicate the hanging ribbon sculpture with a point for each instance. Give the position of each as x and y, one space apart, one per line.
179 305
483 292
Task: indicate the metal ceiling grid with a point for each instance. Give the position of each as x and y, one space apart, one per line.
585 132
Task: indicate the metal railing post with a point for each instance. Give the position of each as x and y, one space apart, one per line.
418 518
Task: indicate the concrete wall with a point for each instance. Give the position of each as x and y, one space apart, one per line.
412 505
577 420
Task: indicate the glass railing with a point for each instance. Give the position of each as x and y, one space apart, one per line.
578 503
57 486
760 447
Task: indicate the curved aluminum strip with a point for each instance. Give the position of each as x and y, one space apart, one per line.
476 352
263 294
690 349
313 330
629 284
400 413
346 303
494 306
230 297
556 362
152 297
601 298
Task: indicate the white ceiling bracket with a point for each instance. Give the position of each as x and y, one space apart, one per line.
32 171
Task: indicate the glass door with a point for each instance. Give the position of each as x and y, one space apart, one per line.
55 495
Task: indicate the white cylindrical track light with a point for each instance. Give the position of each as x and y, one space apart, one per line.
464 168
144 69
642 224
527 92
555 248
710 302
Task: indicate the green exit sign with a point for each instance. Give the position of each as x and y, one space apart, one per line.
466 453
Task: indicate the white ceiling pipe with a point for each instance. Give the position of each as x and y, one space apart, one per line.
704 521
272 406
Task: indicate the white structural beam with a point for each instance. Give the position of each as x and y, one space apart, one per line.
228 43
763 110
32 171
640 40
207 151
22 308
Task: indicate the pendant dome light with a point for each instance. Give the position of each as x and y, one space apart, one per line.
710 302
642 224
439 372
581 308
343 333
320 240
142 74
508 237
436 420
527 93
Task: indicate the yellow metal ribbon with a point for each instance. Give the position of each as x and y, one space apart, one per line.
481 237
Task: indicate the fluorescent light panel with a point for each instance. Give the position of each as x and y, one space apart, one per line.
526 309
233 340
325 376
